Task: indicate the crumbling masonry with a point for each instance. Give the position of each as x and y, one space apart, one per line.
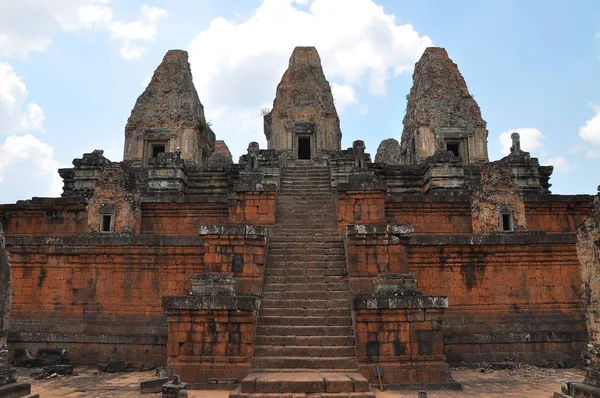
302 258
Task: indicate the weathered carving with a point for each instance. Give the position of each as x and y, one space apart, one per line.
221 157
252 161
516 143
358 147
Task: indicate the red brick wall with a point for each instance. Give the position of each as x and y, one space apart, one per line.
427 218
408 343
556 216
360 207
97 297
181 218
506 300
207 344
43 220
256 208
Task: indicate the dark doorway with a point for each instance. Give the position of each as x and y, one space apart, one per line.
303 147
453 147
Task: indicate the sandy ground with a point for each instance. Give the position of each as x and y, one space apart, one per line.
524 382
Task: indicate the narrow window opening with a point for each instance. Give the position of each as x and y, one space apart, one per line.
507 222
304 148
454 147
156 149
106 223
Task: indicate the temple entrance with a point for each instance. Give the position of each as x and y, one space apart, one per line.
304 148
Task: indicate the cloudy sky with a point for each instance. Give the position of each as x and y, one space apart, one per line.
71 70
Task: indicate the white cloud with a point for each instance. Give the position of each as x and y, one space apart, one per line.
560 163
359 45
531 140
28 25
27 167
590 132
15 113
343 94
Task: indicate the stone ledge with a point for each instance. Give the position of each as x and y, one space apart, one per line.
380 229
237 303
366 301
154 339
498 238
105 239
248 230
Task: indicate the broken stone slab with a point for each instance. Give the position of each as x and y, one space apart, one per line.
153 386
15 390
171 389
8 374
51 356
114 365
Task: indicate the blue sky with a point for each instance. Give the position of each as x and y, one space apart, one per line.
71 70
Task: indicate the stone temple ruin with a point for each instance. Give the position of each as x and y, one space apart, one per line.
304 267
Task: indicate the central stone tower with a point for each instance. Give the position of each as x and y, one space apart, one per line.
303 120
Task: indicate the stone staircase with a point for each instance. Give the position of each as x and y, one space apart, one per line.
304 337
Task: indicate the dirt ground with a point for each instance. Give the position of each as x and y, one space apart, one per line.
524 382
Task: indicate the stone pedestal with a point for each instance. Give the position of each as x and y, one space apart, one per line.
401 330
167 173
210 331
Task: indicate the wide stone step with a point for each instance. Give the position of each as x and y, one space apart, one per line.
303 280
307 257
323 286
338 251
301 271
304 321
302 245
262 330
304 351
304 383
299 295
304 362
331 238
327 312
273 264
311 341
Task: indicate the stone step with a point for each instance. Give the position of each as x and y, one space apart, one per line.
302 245
324 286
305 362
315 250
328 312
304 351
300 271
304 382
299 264
262 330
311 341
307 257
304 321
303 280
331 238
270 295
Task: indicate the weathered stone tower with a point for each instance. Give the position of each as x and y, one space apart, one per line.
303 119
441 113
169 117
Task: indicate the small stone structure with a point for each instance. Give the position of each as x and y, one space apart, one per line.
388 152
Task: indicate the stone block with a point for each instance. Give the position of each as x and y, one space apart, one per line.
153 386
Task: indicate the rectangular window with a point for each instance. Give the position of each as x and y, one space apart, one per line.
106 223
507 222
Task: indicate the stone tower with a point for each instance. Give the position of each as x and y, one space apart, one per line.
303 119
441 113
168 116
